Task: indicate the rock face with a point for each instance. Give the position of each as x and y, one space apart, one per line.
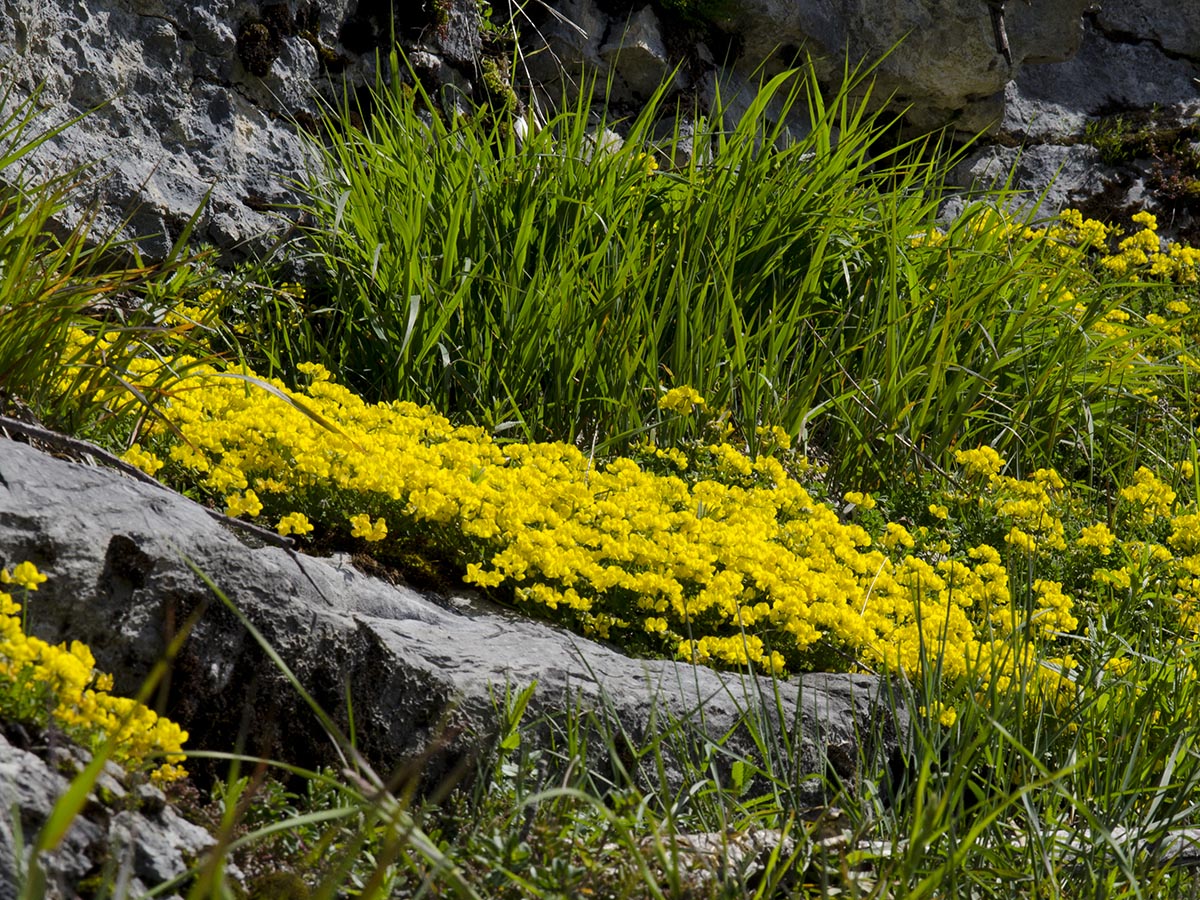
1132 85
194 100
941 59
424 673
187 100
128 827
179 111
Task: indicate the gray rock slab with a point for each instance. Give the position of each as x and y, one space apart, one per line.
144 843
941 57
1049 177
1173 26
423 672
170 112
1106 76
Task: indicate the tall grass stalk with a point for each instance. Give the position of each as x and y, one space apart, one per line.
556 284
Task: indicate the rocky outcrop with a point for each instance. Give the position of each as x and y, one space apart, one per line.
1116 119
127 833
187 102
425 673
940 60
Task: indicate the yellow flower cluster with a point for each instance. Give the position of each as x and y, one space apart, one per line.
362 527
724 558
1029 509
1040 513
60 681
147 462
1138 256
858 498
294 523
683 400
737 566
1152 498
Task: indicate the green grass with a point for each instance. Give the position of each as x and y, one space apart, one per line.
1071 801
551 289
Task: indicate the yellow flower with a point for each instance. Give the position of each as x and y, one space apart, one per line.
683 400
1021 540
64 687
946 715
239 504
143 459
729 560
1118 665
1147 219
896 535
866 501
1154 497
1097 536
774 435
24 574
982 462
362 527
294 523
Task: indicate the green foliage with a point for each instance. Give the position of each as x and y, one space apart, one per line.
52 283
1170 146
555 287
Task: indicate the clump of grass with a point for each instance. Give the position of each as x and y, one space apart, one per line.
54 279
555 285
556 288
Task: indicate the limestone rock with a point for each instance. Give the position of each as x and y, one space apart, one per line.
1067 175
424 672
188 101
1128 69
172 108
941 58
565 46
1172 26
1105 77
636 54
133 834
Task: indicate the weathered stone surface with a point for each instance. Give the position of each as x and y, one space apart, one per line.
1104 78
1067 176
942 57
422 671
174 111
566 45
133 834
942 61
636 54
1173 26
1123 72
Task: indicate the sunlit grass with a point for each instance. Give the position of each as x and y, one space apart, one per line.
688 323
